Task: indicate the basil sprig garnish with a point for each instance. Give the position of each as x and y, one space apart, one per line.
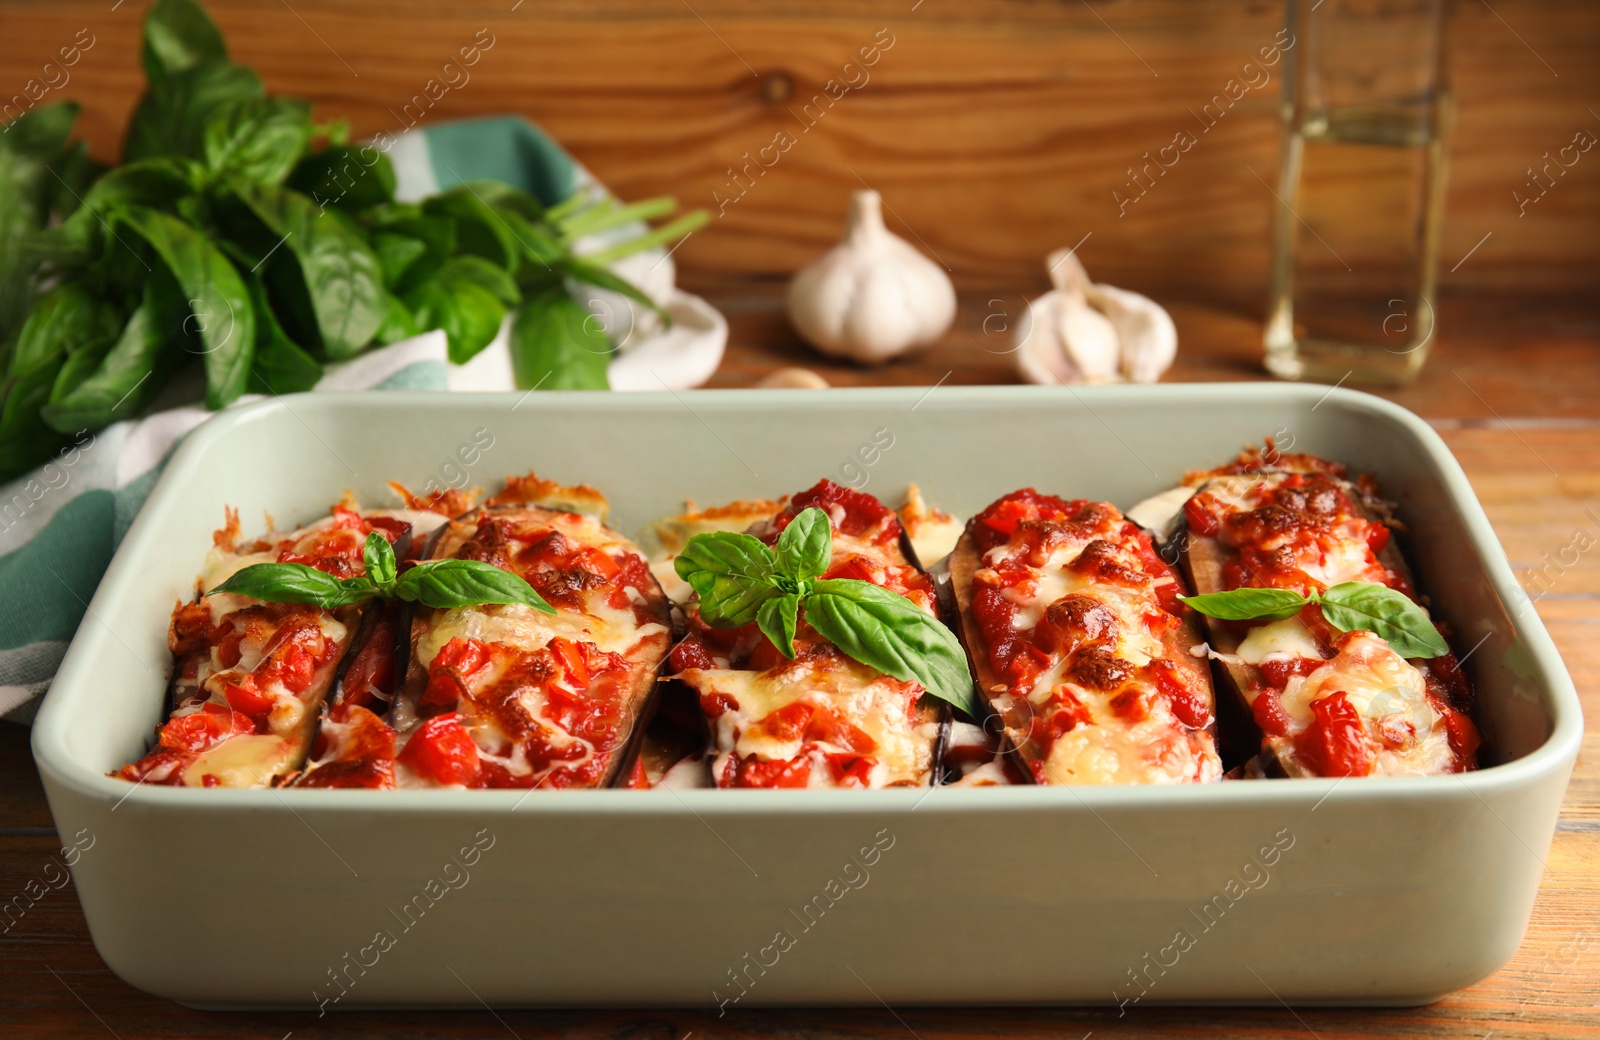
739 579
437 583
1349 606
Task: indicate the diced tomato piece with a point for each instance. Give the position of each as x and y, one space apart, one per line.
690 653
592 559
1198 517
854 568
443 751
205 729
829 727
637 778
1279 670
1062 714
1334 745
714 704
1269 714
788 722
457 662
1377 537
861 511
347 519
1459 730
634 573
570 656
1190 707
753 772
579 715
850 770
246 697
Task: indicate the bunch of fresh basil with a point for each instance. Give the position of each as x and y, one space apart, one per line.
739 579
243 239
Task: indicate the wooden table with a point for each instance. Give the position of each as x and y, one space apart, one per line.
1514 388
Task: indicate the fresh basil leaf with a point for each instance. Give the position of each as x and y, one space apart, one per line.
1387 614
437 234
75 172
172 116
217 297
280 366
134 368
778 618
25 440
541 251
886 631
398 324
465 583
352 178
469 314
29 148
66 317
378 558
602 278
292 583
806 545
257 139
475 270
322 263
480 231
556 344
1248 604
396 253
732 574
178 35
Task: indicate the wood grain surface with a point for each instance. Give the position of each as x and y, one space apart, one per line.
997 130
1528 436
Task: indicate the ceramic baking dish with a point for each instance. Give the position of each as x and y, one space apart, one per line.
1374 891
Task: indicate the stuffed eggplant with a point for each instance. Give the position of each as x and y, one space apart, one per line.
250 678
1081 646
1321 700
503 696
819 718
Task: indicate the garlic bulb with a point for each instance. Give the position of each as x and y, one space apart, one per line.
873 296
1086 333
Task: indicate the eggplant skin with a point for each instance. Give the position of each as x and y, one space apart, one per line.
645 663
1016 724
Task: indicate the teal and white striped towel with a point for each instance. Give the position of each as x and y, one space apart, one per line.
60 524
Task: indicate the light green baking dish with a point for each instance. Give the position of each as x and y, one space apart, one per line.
1379 891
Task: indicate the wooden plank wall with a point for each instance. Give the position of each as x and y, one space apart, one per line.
997 130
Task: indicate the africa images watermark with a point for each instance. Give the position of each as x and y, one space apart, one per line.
852 876
1252 876
53 878
452 876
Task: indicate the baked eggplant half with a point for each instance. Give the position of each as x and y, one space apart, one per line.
250 678
505 696
1323 700
820 719
1081 646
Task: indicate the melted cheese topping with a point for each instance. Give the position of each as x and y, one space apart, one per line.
1279 640
933 532
880 706
516 625
1388 693
247 760
1147 745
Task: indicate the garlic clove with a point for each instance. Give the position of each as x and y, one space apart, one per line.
873 296
1149 338
1081 332
793 379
